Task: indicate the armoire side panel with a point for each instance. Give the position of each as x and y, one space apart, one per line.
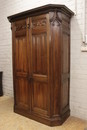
55 53
65 63
65 70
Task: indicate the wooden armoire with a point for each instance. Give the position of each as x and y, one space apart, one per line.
41 63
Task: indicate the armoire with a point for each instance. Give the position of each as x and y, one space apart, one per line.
41 63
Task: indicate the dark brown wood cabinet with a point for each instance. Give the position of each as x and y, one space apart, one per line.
41 63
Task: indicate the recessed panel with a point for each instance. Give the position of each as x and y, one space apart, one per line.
65 93
65 53
22 93
21 55
39 54
40 96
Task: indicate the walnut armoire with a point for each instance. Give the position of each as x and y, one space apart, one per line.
41 63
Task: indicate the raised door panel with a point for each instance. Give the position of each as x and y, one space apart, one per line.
21 56
22 93
40 64
20 48
21 64
39 55
39 97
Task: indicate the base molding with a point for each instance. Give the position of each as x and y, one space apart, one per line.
47 121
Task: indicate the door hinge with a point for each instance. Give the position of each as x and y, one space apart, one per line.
30 78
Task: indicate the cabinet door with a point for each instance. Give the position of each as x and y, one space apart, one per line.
21 64
40 64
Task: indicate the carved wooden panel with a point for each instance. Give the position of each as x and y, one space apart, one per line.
39 54
20 28
55 18
39 98
21 64
39 64
39 23
22 93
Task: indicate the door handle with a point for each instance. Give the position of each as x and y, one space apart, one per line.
30 78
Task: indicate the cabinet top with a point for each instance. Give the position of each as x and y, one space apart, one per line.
41 10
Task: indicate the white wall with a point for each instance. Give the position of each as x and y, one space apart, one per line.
78 91
78 66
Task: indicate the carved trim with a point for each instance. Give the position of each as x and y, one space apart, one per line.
55 18
38 23
21 27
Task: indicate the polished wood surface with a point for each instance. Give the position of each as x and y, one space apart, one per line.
21 65
41 65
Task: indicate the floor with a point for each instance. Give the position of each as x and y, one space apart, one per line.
12 121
